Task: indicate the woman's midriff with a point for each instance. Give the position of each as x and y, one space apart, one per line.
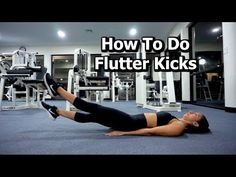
151 119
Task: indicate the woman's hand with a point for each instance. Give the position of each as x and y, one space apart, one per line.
115 133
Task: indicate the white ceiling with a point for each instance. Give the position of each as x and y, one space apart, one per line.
45 33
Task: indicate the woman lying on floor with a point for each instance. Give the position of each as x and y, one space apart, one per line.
157 124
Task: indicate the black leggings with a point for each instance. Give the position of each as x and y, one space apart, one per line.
106 116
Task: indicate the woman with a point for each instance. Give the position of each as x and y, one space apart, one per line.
159 124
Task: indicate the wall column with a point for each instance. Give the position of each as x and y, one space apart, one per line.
229 49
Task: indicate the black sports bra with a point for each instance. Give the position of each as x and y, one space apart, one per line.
163 118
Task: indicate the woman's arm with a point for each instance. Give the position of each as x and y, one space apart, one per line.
143 131
173 129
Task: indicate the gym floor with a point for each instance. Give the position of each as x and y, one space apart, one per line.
30 131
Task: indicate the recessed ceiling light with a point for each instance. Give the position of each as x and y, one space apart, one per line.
215 30
202 61
133 32
61 34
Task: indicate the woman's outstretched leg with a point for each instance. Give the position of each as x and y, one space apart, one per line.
104 115
54 112
55 89
67 114
66 95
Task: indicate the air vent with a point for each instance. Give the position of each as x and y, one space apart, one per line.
89 30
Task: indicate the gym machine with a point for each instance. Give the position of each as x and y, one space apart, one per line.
91 82
22 73
166 95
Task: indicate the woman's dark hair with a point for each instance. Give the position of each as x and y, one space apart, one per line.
202 128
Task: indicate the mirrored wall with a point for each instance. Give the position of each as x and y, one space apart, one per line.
208 82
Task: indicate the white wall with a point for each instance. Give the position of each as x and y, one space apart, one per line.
179 28
229 43
182 30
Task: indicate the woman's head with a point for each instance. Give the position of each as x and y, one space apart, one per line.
197 122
